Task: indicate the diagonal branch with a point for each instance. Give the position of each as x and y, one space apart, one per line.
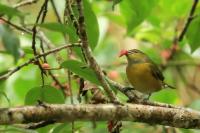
92 62
40 34
180 118
5 76
24 3
189 20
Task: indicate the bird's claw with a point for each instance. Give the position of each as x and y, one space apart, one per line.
115 102
41 103
128 89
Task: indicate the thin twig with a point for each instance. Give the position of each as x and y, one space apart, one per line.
56 12
57 82
69 53
41 43
69 11
49 71
43 38
40 124
24 3
26 30
62 87
5 76
40 34
177 39
42 13
189 20
34 30
68 72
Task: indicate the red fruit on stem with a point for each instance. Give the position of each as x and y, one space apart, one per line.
113 75
45 66
166 54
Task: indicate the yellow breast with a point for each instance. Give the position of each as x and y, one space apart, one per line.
141 77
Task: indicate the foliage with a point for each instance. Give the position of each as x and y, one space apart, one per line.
193 33
81 70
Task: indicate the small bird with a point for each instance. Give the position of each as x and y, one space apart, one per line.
143 73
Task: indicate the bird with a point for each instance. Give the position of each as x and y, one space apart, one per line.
142 73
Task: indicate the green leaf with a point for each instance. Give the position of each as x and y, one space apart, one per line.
46 93
11 43
28 50
45 129
9 11
6 97
195 105
91 22
193 33
22 82
62 128
80 69
79 53
66 29
135 12
165 96
116 18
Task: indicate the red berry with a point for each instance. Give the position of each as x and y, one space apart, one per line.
166 54
45 66
113 75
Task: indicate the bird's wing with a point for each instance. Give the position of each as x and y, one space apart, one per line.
156 72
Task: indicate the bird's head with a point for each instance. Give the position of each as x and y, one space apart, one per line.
134 55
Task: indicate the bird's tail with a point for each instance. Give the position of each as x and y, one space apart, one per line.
168 86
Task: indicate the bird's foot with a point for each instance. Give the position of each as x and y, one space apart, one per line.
133 100
128 89
41 103
139 100
148 96
146 99
116 102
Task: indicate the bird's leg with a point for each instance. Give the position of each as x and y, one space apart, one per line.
147 98
41 103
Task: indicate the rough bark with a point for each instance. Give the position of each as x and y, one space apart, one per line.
181 118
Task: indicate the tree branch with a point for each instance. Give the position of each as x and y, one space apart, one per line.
5 76
92 62
180 118
56 11
40 34
24 3
189 20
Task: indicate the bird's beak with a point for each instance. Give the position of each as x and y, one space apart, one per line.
123 52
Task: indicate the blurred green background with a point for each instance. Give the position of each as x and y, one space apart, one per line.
150 26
